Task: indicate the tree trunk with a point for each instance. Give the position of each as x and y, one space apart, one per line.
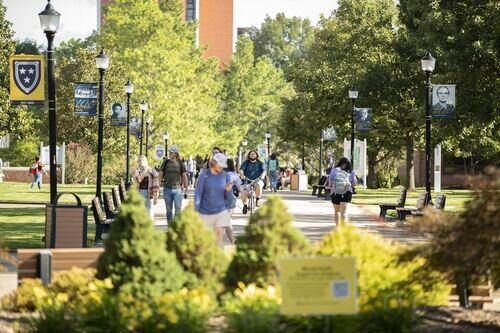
371 179
463 292
410 165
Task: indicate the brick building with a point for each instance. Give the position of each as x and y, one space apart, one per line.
215 28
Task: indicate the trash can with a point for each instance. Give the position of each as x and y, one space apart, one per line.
66 224
298 182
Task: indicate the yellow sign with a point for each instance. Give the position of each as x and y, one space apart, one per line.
27 79
318 286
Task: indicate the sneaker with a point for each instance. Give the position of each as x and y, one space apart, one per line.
245 209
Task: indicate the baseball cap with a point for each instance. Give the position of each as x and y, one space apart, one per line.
220 159
173 149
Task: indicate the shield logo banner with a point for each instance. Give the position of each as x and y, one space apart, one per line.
27 75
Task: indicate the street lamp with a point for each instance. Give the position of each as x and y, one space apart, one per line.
149 120
144 107
129 89
166 136
102 64
268 139
428 63
49 21
353 95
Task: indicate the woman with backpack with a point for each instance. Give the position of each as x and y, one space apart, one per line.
232 197
147 182
210 195
273 167
342 179
36 169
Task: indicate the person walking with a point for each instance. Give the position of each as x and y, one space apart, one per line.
232 197
252 169
147 182
174 177
342 179
35 170
210 195
273 167
191 169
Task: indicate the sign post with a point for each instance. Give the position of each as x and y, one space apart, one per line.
318 286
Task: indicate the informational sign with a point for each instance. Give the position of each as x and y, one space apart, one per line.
360 158
86 99
443 101
118 114
262 150
437 168
60 158
159 151
27 79
363 119
329 134
318 286
135 126
5 141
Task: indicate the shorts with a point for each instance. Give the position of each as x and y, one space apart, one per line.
246 185
219 220
338 198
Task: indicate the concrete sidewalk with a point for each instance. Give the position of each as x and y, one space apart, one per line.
313 216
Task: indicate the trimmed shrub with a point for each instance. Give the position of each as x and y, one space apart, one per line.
268 236
382 279
29 296
195 249
135 258
79 163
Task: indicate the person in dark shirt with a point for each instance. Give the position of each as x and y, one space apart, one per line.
252 169
175 183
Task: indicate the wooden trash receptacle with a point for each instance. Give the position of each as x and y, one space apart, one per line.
66 224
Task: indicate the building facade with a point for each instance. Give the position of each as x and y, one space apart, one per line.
215 25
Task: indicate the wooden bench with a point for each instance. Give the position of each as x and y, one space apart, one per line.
123 191
102 223
400 202
109 206
421 203
478 298
320 187
116 197
43 263
438 206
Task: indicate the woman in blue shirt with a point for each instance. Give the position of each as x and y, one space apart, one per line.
210 195
342 179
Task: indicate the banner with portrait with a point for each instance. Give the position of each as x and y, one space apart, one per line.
27 79
86 99
363 119
118 114
159 151
443 101
135 126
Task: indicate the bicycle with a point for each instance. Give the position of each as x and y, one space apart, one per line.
250 189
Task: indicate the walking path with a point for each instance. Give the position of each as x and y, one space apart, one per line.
314 217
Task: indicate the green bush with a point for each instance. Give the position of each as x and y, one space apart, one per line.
29 296
80 163
252 310
195 249
135 257
268 236
382 279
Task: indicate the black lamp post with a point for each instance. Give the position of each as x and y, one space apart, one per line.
149 120
428 63
244 143
268 139
129 89
144 107
353 95
102 63
166 136
49 21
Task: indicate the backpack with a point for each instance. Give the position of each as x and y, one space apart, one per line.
272 165
342 182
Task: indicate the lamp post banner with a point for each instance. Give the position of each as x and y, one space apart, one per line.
443 101
363 119
329 134
86 99
118 114
135 126
159 151
27 79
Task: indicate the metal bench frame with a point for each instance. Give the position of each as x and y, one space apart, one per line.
400 202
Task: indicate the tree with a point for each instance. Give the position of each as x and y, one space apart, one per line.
28 46
168 70
282 39
135 258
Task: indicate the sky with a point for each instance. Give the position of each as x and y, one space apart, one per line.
79 17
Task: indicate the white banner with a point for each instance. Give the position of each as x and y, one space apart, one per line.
5 141
360 159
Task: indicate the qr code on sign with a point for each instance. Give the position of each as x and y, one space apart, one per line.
340 289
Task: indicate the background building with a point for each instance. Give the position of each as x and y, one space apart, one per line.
215 25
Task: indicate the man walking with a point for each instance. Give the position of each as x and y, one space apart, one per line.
191 168
174 177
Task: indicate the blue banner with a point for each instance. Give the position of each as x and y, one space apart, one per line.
86 99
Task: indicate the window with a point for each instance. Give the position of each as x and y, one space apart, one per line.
190 10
